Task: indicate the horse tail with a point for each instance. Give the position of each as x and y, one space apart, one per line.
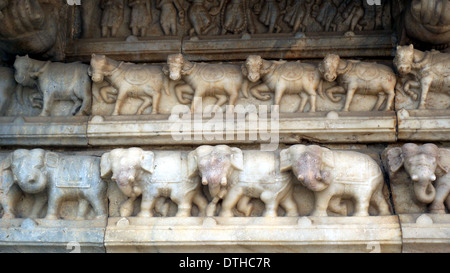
166 85
336 89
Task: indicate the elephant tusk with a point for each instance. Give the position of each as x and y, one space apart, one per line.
433 177
204 181
319 178
224 181
300 178
415 178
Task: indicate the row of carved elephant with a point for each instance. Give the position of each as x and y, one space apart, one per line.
210 175
59 81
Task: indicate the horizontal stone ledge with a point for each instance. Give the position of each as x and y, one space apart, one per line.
235 47
236 235
321 127
42 236
43 131
423 125
425 233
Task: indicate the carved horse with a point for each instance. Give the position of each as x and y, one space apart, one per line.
143 82
430 68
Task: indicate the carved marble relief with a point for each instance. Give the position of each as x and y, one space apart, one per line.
420 177
135 125
220 17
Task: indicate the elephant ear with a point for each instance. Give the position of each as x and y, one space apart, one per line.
395 159
6 163
148 161
327 157
166 70
192 164
237 159
285 160
105 165
444 159
51 159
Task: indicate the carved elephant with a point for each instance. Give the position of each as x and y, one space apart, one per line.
57 81
224 81
144 82
283 77
236 177
153 175
359 77
431 69
10 192
61 177
336 174
428 167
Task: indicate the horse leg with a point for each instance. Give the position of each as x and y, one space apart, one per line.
425 84
122 94
303 100
49 98
348 100
156 99
147 102
380 100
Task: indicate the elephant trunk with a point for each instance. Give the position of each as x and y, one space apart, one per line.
34 184
425 192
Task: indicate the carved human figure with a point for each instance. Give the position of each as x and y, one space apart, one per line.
153 175
234 17
168 17
144 82
349 15
8 87
325 15
270 16
359 77
56 82
339 174
237 177
430 69
60 177
283 77
112 17
201 18
141 16
224 81
428 167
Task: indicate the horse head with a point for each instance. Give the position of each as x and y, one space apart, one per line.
404 59
97 70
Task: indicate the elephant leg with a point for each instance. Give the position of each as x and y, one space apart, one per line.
184 204
290 206
76 104
321 205
271 202
380 201
442 192
148 203
348 100
99 206
196 103
9 199
54 203
233 97
230 201
245 206
201 202
40 200
126 208
83 206
362 202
